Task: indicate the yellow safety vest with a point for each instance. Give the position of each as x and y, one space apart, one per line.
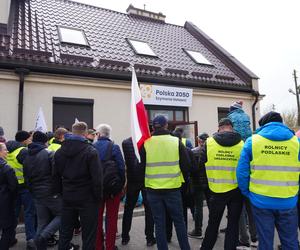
183 141
221 165
51 140
162 162
275 167
13 162
54 147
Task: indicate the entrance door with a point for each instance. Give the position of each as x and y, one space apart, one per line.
190 130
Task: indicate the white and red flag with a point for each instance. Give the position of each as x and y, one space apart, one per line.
139 119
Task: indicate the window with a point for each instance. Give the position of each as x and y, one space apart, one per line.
222 113
173 114
74 36
66 110
141 48
197 57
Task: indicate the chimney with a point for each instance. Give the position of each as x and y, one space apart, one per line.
131 10
4 15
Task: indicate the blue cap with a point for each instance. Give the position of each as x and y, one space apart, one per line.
160 121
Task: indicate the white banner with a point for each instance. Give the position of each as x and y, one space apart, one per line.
167 96
40 123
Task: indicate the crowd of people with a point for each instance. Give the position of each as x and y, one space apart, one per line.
66 180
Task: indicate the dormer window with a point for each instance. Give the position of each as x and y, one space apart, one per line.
197 57
141 48
72 35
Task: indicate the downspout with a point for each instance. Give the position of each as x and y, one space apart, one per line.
256 94
21 72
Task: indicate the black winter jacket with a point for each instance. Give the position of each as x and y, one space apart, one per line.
134 171
78 171
38 171
8 188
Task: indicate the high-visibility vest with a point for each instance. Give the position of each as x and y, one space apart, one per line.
54 147
162 162
51 140
13 162
183 141
275 167
221 165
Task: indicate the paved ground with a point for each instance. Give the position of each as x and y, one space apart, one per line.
138 241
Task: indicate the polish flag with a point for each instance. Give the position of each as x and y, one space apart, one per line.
139 119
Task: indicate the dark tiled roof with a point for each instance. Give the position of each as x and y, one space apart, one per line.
35 40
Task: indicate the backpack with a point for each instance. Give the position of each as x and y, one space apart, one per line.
112 183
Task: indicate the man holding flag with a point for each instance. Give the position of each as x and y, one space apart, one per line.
164 158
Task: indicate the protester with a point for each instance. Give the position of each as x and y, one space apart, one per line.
241 125
199 185
268 174
15 158
38 178
135 185
164 158
59 137
179 132
8 190
220 155
78 173
108 151
2 137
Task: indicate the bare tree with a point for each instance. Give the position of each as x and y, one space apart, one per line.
290 118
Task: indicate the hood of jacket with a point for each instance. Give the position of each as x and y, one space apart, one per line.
13 145
35 147
236 111
275 131
73 146
227 139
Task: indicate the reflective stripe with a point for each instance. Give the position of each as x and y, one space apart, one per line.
162 164
220 168
20 177
221 180
276 168
159 176
275 183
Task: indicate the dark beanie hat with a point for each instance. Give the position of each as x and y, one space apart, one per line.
39 136
270 117
203 136
159 121
224 122
22 136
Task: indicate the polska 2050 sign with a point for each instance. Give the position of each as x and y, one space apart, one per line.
168 96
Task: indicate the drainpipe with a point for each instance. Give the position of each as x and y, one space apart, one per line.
256 94
21 72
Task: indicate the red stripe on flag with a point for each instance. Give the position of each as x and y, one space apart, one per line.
143 122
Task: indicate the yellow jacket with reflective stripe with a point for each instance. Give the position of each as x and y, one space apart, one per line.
221 165
13 162
275 167
54 147
162 162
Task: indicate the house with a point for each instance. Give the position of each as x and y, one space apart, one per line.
75 61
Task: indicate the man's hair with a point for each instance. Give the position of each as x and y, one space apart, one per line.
104 130
59 132
79 128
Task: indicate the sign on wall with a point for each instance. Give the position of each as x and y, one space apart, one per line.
168 96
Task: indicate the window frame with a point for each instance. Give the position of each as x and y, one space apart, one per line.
136 52
195 61
71 43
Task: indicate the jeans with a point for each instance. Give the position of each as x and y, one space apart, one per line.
24 198
217 203
88 213
131 199
286 223
170 202
247 218
112 209
6 237
49 215
199 192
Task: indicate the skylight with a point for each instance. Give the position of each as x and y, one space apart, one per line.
70 35
141 48
198 57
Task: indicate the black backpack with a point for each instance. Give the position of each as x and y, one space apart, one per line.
112 182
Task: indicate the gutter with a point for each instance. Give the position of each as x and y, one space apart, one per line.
256 94
21 72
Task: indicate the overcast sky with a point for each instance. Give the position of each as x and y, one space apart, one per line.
263 34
